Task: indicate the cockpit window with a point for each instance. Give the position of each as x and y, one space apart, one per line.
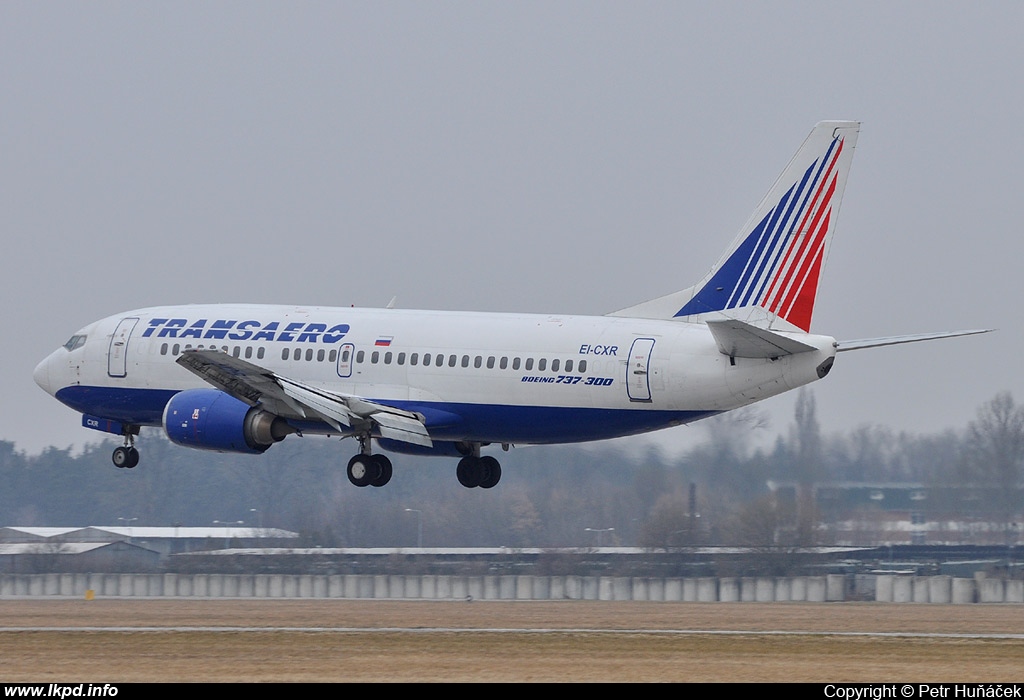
75 342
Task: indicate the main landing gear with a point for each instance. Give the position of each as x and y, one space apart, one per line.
126 456
474 471
367 469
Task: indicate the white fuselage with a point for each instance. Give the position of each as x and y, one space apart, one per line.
478 377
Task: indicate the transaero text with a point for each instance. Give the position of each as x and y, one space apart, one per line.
222 329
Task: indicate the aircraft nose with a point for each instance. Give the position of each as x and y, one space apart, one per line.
41 375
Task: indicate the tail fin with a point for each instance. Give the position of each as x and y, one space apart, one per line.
769 275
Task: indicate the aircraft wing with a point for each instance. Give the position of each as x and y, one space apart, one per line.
845 345
289 398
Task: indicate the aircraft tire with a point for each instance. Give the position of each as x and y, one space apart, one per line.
384 465
490 472
363 470
133 458
469 472
121 458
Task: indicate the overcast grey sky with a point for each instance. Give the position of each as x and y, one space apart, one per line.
570 157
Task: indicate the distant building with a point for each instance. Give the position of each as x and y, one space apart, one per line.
64 557
868 514
47 549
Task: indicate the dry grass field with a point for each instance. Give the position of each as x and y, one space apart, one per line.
443 641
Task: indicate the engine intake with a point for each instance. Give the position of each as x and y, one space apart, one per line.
209 419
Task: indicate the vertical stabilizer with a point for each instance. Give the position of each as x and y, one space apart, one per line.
769 275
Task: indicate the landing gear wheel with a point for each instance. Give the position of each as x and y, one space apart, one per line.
384 465
468 472
125 457
490 472
363 470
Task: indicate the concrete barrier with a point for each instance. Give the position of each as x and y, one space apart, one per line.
883 588
991 590
728 590
903 589
962 591
835 587
920 589
940 589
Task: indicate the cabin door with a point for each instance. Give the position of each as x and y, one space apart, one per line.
638 366
117 354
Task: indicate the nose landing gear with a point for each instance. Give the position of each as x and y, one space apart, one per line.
126 456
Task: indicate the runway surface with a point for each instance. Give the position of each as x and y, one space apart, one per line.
381 641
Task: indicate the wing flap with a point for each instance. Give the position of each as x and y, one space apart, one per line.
402 428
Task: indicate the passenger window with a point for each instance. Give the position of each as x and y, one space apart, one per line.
568 365
163 349
490 363
465 360
309 354
440 360
176 349
529 363
320 355
260 352
344 355
583 366
284 354
452 360
360 356
248 351
426 359
375 357
236 351
515 363
541 364
415 358
504 363
478 361
387 358
401 358
334 356
554 365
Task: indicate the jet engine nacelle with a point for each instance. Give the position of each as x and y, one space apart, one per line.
209 419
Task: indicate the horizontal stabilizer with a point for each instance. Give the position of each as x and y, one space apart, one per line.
739 339
845 345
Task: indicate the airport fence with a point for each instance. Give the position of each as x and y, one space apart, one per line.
829 588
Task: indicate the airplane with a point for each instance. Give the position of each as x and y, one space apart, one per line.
240 378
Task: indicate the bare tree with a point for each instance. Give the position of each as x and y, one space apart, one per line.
808 464
994 454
